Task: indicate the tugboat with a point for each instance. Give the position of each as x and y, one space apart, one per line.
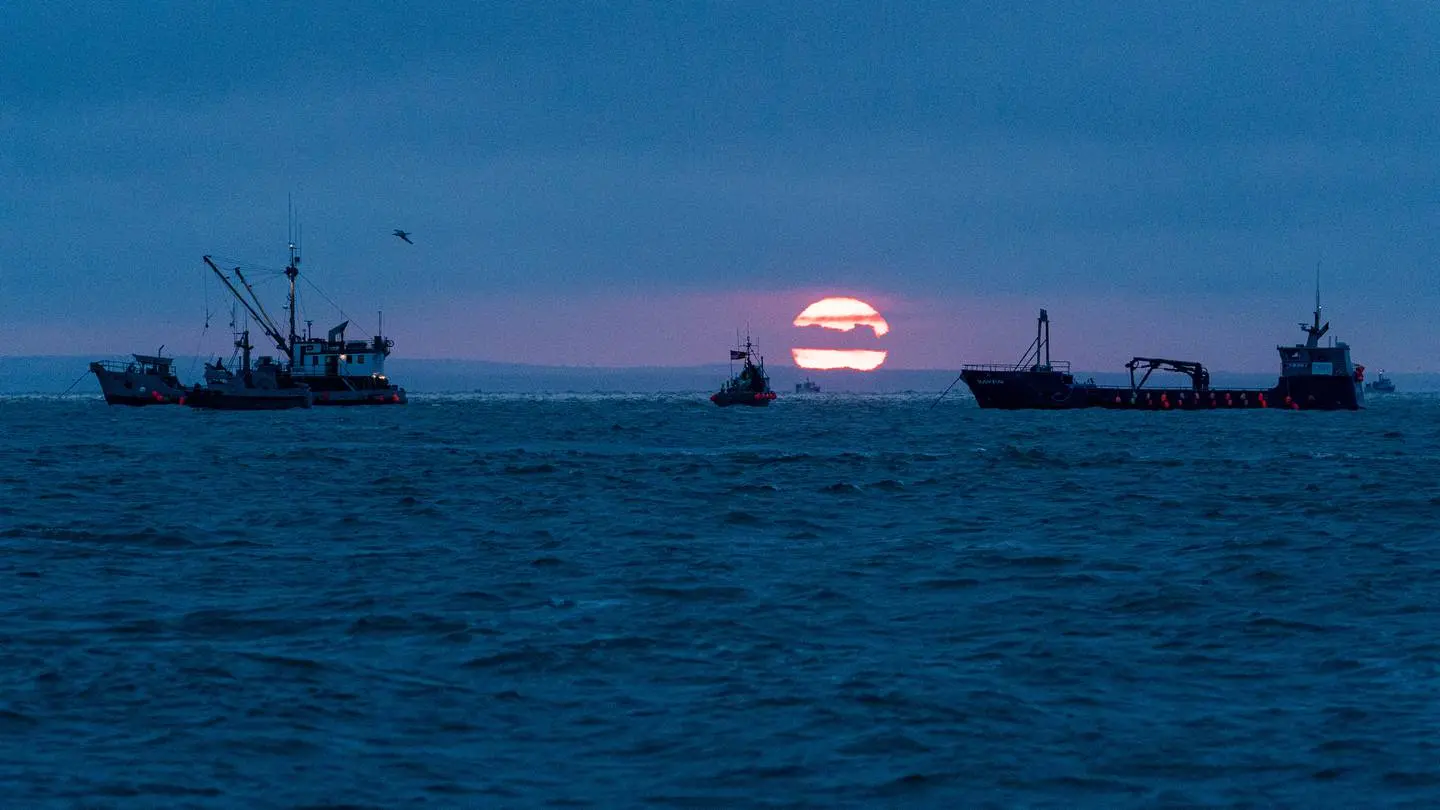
149 380
751 386
1312 377
337 371
266 386
807 387
1382 384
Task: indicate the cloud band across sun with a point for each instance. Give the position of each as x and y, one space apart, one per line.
842 314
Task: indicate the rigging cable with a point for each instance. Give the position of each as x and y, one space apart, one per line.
327 298
943 393
77 382
199 343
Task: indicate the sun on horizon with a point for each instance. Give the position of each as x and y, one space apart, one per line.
844 315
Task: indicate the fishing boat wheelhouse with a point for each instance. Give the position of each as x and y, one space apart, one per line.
344 372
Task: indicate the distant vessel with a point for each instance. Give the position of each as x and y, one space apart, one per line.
751 386
1312 377
337 371
1382 384
149 380
266 386
807 387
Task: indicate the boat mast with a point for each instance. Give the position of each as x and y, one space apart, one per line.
1042 337
292 270
243 344
1315 330
1040 347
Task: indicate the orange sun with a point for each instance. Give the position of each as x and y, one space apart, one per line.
841 314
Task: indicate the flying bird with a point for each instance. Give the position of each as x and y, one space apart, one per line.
403 235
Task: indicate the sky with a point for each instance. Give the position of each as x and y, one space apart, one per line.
614 183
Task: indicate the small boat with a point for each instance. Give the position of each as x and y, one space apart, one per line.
807 387
1381 385
147 380
751 386
266 386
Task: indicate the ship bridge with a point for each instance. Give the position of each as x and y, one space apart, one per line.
334 356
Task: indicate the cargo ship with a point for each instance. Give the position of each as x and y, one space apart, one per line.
1312 377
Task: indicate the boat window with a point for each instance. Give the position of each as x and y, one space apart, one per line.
360 359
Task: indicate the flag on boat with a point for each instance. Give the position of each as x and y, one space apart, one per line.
736 354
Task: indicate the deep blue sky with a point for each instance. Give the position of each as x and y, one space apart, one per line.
603 182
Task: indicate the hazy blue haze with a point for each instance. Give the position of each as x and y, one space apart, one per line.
607 601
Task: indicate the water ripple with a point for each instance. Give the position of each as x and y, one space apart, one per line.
597 601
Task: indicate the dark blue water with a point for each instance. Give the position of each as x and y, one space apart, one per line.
622 602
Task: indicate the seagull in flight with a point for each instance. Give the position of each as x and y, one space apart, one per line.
403 235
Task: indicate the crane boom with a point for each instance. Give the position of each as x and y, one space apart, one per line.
260 319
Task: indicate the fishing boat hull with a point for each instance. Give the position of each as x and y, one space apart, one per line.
747 398
121 384
386 396
249 399
1054 390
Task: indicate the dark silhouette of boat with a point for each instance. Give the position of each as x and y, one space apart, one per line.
337 371
1381 385
147 380
751 386
809 386
1312 377
265 386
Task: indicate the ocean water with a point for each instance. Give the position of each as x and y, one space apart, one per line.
609 601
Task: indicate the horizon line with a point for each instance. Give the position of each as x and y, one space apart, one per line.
718 364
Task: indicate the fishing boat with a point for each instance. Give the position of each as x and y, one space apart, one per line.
1312 377
337 371
1381 385
148 379
809 386
265 386
751 386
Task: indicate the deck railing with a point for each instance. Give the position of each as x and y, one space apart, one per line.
122 366
1062 366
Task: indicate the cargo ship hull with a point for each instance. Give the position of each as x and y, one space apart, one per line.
1313 377
1042 390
